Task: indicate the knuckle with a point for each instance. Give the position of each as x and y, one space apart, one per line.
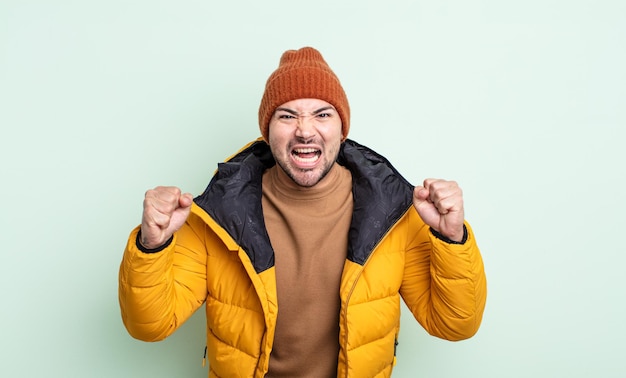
176 191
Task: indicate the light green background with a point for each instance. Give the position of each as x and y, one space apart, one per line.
522 102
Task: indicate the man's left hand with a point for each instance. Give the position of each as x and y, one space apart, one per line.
440 205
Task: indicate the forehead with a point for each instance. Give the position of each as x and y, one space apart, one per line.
305 104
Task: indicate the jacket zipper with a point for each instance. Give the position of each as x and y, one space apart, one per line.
345 309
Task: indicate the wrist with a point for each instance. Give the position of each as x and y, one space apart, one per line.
143 248
454 239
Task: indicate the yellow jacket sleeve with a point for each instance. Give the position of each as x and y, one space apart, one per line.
444 285
159 291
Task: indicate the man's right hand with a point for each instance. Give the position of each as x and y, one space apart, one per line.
165 210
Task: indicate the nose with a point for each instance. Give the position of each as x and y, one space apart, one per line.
306 126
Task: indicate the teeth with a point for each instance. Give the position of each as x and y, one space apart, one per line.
306 160
307 155
311 155
305 150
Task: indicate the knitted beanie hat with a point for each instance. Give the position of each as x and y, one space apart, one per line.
302 74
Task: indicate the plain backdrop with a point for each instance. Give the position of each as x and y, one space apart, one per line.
521 102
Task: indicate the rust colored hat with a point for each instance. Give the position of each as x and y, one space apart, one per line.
302 74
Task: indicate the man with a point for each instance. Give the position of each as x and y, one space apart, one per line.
302 245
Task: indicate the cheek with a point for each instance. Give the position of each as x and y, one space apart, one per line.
278 142
278 132
273 136
333 133
274 145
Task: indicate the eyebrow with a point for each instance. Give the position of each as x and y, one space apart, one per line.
291 111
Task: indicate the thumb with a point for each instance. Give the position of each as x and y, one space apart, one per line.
424 206
185 200
180 215
420 194
184 208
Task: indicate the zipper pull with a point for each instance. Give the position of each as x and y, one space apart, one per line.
395 349
204 358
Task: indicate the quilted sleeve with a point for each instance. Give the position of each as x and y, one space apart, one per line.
159 291
444 285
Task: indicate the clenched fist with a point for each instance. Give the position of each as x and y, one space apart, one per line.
165 210
440 205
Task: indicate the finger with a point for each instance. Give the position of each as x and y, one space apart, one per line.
420 193
432 186
163 199
446 205
430 181
439 183
153 218
185 200
442 189
156 209
170 194
449 200
156 212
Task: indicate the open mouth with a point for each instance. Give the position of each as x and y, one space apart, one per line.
306 155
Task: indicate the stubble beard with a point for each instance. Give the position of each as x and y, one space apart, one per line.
307 177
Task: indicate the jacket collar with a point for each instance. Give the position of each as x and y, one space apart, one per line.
233 199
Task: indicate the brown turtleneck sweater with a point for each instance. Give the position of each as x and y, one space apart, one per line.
308 229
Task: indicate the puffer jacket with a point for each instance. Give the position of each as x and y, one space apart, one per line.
222 257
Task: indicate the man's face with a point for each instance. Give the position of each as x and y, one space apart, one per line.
305 136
